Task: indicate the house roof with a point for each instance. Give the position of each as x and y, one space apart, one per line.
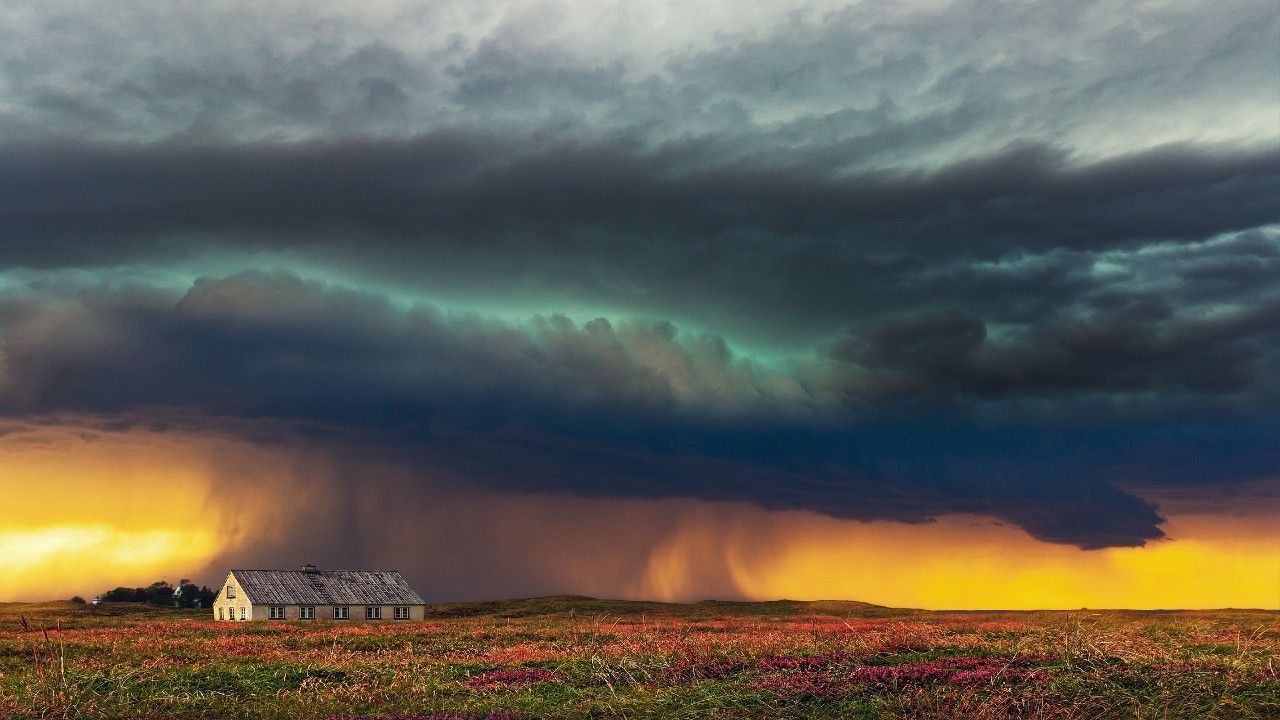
326 587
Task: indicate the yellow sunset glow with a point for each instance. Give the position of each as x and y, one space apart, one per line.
84 513
58 561
1209 561
949 565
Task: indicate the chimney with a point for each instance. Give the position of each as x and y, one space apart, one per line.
308 568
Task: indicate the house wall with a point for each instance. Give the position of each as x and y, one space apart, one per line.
323 612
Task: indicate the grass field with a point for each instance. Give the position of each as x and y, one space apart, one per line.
581 658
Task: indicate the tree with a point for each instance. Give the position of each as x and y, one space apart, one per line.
124 594
160 593
157 593
192 595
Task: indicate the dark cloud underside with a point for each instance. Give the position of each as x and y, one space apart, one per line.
631 411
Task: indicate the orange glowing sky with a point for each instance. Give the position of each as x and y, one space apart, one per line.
86 511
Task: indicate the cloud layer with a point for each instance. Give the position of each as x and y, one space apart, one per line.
872 260
893 81
882 428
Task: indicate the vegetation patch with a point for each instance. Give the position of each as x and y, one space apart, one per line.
511 660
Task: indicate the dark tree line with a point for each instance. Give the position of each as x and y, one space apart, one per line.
186 595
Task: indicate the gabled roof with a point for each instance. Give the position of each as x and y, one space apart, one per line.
326 587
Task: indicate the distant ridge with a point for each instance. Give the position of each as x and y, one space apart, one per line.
707 609
68 614
584 605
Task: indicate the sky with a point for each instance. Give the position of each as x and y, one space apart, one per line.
929 303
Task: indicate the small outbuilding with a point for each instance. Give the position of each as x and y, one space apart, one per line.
311 594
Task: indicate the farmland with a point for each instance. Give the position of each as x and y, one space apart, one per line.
571 657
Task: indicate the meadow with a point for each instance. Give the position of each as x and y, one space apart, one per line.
571 657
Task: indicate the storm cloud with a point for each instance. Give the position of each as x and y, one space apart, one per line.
876 261
634 410
773 251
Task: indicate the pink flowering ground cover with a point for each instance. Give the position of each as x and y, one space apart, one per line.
578 658
510 678
835 682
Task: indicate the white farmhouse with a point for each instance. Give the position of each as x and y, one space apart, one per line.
311 594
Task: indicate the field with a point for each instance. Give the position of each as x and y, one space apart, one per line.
580 658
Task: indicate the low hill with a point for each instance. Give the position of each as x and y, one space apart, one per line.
582 605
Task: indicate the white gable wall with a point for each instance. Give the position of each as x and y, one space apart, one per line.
231 607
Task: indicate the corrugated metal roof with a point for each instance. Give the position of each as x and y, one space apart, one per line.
326 587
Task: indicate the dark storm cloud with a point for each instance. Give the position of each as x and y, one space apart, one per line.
799 250
1022 290
1118 347
452 184
633 411
940 257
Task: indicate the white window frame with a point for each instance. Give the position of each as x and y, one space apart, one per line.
402 612
341 612
275 612
372 612
220 614
231 592
242 617
307 612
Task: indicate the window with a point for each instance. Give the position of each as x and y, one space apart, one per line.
275 612
241 612
402 613
373 613
220 613
231 592
341 613
307 612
